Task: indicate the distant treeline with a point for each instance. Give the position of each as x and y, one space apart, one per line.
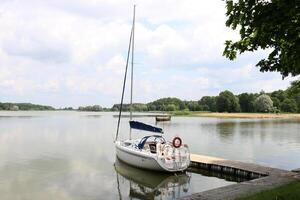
95 108
23 106
278 101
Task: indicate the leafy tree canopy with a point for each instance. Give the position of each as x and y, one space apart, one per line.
24 106
289 105
208 103
247 102
263 103
266 24
227 102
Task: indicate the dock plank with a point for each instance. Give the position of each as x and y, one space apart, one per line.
204 159
236 164
273 177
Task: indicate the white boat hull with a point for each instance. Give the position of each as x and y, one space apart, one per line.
137 160
144 160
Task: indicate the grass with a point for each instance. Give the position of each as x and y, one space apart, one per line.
290 191
187 113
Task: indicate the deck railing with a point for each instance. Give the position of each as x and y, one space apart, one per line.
173 158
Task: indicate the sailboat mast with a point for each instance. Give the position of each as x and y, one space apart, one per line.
124 81
132 59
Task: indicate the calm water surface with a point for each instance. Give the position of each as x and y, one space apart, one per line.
70 155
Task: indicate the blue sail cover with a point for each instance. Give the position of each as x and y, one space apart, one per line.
144 127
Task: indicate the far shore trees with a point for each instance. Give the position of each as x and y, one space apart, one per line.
282 101
94 108
293 92
23 106
227 102
247 102
289 105
208 103
263 103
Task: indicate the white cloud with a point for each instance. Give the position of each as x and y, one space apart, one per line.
115 65
79 48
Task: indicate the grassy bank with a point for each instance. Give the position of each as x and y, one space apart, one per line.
237 115
287 192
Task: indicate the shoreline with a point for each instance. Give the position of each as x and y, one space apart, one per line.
242 115
190 114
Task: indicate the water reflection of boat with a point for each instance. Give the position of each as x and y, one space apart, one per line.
145 184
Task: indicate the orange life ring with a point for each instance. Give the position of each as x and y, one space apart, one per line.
177 142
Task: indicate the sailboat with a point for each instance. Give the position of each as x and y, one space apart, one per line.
152 151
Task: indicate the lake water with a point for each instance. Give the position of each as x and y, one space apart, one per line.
71 155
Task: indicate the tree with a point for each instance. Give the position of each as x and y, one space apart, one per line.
208 103
171 107
288 105
151 107
263 103
227 102
278 97
294 92
276 103
161 104
246 102
24 106
266 24
279 94
193 106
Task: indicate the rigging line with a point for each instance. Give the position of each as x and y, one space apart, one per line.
124 83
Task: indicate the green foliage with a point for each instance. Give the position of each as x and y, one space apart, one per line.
289 105
193 105
247 102
23 106
208 103
293 92
166 104
279 94
171 107
94 108
227 102
266 24
290 191
281 101
263 103
294 88
139 107
276 102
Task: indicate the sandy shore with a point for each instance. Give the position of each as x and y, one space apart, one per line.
249 115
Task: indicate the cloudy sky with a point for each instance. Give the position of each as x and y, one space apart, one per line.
73 52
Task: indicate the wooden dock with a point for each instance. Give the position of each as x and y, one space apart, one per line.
251 171
261 177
